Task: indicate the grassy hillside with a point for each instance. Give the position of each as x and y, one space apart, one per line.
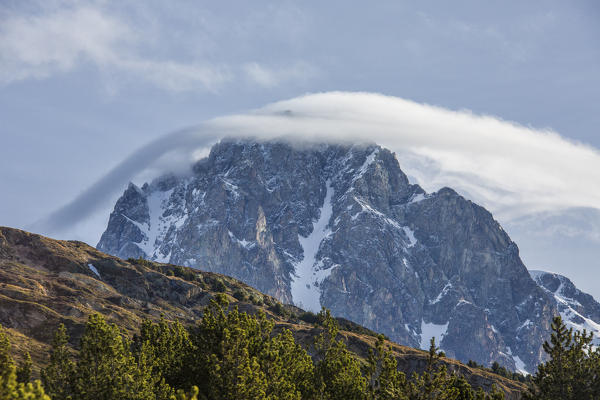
45 282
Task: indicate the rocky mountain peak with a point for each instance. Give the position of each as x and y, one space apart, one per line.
341 226
578 310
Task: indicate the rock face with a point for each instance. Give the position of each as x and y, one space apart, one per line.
578 310
341 226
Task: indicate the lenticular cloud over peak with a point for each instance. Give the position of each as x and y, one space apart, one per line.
510 169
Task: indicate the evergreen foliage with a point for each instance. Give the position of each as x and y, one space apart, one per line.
573 370
385 381
10 387
24 369
238 357
228 355
502 371
106 369
338 371
169 347
58 375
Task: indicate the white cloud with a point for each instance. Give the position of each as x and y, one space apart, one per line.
511 169
38 46
270 77
61 39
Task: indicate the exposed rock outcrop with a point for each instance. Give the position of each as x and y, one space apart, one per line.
341 226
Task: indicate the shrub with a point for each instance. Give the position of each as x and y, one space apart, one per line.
218 285
309 317
279 309
240 295
257 300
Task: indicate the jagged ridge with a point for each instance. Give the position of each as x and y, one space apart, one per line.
386 255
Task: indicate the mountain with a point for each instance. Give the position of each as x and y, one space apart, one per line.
578 310
45 282
341 226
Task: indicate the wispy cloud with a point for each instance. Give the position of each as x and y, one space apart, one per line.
38 46
270 77
512 170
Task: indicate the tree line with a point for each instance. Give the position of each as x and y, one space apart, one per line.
236 355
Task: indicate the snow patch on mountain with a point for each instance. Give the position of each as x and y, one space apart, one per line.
368 161
442 293
519 364
575 320
244 243
412 240
308 273
94 270
429 330
417 197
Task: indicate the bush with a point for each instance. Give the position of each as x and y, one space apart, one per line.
240 295
218 285
140 261
279 309
257 300
309 317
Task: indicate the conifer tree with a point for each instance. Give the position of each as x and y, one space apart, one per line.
106 370
338 372
181 395
227 364
434 383
152 379
385 381
58 376
572 370
170 350
288 368
24 369
10 389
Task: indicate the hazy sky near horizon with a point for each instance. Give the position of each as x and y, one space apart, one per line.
84 84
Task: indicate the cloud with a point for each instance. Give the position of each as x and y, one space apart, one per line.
145 162
38 46
512 170
270 77
69 35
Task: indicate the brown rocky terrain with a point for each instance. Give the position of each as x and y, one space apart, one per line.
45 282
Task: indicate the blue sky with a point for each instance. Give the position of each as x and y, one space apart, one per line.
84 84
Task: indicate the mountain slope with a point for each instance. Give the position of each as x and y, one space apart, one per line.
341 226
579 310
44 282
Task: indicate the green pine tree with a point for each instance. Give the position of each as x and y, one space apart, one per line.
385 381
288 368
58 376
181 395
170 350
338 372
10 388
434 383
24 369
228 345
106 369
572 370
